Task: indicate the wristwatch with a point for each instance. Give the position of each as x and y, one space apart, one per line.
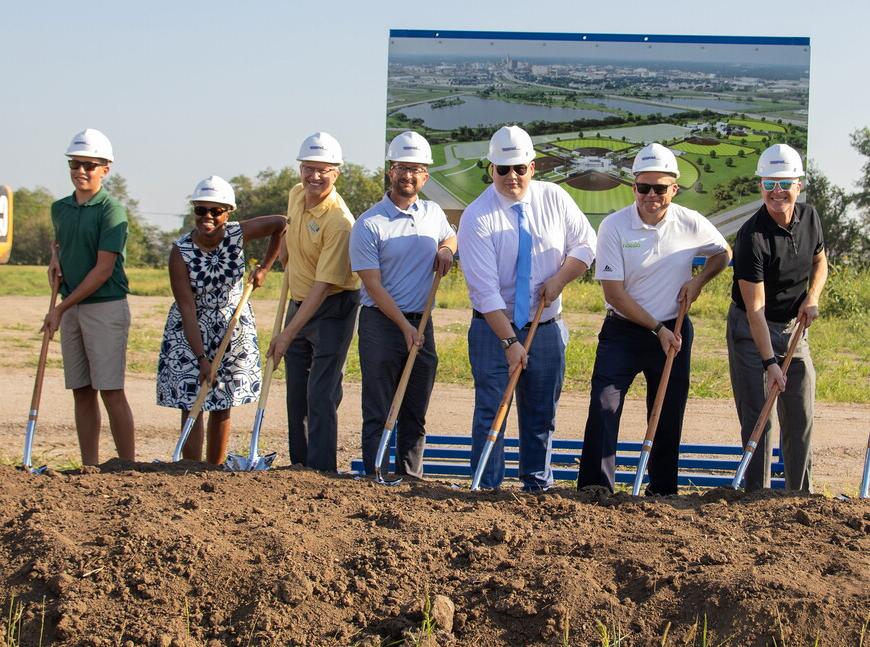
770 361
201 356
658 327
507 341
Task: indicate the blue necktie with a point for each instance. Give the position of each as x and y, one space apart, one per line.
522 302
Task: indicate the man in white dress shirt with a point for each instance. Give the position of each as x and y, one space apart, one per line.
520 241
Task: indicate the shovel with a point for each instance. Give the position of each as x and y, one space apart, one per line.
656 412
390 424
253 461
752 443
865 482
505 403
205 387
30 430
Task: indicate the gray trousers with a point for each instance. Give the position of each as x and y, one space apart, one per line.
794 407
382 357
314 363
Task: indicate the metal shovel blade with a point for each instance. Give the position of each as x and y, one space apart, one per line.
27 461
481 464
744 463
641 468
865 482
238 463
379 459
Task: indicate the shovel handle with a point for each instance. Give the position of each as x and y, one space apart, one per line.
514 378
412 356
205 387
269 369
774 388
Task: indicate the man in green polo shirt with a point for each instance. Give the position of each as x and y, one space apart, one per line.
90 228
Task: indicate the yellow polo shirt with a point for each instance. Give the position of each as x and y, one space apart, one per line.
317 244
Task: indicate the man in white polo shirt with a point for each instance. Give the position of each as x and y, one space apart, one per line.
394 247
520 241
644 262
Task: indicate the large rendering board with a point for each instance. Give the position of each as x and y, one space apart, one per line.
591 101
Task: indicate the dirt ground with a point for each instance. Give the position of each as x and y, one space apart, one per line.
184 555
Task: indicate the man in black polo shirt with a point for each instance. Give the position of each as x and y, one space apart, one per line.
779 272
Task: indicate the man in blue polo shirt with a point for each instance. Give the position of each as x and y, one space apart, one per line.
395 247
90 228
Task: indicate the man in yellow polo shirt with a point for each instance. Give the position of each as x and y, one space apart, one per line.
324 297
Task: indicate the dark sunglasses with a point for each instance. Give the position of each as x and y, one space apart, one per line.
214 211
644 188
784 185
88 166
519 169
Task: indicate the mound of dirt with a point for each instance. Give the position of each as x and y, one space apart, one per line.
702 141
593 181
592 151
136 554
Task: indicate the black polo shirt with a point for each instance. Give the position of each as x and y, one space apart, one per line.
780 258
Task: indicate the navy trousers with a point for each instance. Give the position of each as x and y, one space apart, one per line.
624 350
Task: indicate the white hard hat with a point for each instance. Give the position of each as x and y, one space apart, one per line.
511 145
780 160
320 147
214 189
409 147
91 143
655 158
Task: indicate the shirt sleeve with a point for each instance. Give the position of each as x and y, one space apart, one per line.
479 263
113 229
710 240
364 247
445 230
609 264
333 264
580 238
748 258
820 242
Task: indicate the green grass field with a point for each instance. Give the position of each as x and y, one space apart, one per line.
601 202
721 149
749 138
688 172
757 124
840 352
593 142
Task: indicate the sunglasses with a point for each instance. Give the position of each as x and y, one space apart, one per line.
88 166
215 212
519 169
784 185
643 188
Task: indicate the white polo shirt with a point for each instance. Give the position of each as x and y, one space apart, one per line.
489 241
654 261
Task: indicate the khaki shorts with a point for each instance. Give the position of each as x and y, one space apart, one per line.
93 341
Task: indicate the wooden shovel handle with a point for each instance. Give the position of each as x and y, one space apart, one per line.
43 354
205 387
269 369
656 412
774 388
412 355
515 376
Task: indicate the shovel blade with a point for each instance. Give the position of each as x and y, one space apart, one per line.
262 463
236 463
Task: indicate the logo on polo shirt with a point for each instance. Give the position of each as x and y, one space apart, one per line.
631 244
607 268
313 227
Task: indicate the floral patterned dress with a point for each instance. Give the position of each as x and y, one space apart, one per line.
217 280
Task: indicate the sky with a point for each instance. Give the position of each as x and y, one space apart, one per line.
187 89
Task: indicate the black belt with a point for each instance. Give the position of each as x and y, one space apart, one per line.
479 315
616 315
410 316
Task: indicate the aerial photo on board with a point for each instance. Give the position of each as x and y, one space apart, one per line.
591 102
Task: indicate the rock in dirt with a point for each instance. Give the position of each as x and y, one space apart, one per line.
442 612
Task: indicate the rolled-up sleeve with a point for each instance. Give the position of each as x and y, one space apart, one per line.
580 239
479 263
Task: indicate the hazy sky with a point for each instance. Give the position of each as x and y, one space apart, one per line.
189 89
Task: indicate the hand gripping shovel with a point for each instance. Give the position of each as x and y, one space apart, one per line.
253 461
656 412
205 387
505 403
752 443
390 424
865 482
30 431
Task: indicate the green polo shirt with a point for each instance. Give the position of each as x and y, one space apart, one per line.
82 230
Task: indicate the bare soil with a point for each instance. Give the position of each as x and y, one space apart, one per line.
186 554
593 181
548 162
702 141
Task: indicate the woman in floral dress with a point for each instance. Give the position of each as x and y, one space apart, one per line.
206 272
